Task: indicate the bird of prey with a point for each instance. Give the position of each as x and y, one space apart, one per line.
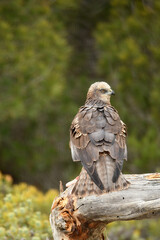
98 141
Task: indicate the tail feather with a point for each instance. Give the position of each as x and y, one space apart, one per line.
111 178
116 173
109 166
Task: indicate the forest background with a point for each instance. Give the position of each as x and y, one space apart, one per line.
50 53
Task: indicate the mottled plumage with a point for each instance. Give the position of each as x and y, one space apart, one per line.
98 140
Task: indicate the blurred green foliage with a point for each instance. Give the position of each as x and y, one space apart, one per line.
24 211
134 230
33 59
50 53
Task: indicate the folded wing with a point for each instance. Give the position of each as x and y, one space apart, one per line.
98 130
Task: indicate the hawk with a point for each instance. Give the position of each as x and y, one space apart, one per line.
98 141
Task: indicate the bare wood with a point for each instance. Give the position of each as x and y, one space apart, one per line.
82 219
61 187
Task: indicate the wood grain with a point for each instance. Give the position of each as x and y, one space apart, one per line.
73 218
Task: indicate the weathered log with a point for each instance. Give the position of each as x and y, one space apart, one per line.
85 218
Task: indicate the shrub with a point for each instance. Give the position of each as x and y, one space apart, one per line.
24 211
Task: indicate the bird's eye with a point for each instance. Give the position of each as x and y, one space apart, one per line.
103 90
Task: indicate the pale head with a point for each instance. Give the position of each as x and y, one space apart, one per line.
101 91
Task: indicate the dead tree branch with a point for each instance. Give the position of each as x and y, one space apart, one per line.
86 218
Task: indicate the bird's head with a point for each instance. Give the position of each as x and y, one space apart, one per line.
101 91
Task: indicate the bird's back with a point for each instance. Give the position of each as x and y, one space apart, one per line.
97 139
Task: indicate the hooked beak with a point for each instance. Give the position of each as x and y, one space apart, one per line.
112 92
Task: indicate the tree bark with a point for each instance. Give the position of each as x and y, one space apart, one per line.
85 218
